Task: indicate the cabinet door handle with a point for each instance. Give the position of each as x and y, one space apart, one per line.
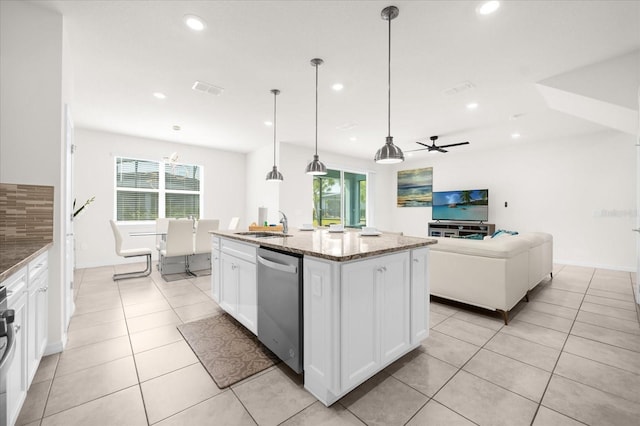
17 327
415 259
43 289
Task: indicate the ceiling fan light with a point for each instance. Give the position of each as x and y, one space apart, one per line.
316 167
389 153
274 175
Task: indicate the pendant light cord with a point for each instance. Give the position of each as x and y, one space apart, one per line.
275 95
316 65
389 84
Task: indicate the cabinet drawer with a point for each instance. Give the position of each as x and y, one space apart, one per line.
240 250
16 284
37 266
215 243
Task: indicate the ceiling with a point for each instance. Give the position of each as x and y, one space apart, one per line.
124 51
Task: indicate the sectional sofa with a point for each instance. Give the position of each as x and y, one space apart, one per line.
494 273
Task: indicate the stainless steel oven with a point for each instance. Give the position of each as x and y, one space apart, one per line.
7 349
280 305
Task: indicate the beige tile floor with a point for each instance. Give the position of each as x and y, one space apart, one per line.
570 356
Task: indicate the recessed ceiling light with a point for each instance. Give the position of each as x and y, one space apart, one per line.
176 127
268 123
160 95
472 105
488 7
515 135
338 87
353 139
194 22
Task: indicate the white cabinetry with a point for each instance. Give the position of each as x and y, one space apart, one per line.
215 268
27 296
37 311
419 294
17 384
375 329
361 316
238 290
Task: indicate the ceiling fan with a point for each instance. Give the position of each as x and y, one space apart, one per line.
434 147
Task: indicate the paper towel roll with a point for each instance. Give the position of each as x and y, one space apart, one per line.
262 215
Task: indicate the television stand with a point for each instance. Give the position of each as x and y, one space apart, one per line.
460 229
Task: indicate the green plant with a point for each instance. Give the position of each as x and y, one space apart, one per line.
86 203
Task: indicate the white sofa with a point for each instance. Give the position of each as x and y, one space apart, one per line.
493 273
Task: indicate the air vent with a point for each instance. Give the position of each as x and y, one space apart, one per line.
460 87
201 86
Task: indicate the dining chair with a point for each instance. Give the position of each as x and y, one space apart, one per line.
162 224
203 238
126 253
233 225
179 241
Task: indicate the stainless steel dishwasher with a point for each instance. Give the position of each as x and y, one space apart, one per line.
280 305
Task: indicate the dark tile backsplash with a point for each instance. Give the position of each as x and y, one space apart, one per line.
26 213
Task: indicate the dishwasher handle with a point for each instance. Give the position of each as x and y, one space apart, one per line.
291 269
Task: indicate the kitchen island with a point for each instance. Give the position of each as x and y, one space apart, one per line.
364 299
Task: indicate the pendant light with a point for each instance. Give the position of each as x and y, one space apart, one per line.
389 153
274 175
316 167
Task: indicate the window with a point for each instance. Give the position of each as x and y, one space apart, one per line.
340 197
147 189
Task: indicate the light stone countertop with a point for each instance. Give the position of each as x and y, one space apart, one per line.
344 246
15 255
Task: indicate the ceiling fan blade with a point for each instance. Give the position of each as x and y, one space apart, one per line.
439 148
454 144
423 144
420 149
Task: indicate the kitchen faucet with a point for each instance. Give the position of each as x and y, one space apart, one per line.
284 222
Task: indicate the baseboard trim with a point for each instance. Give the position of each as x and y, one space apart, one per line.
595 265
56 347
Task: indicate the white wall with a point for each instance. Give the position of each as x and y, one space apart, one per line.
581 190
259 192
34 85
224 186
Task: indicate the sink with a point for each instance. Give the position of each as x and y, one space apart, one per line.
263 234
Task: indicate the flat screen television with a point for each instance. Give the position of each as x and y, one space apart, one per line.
471 205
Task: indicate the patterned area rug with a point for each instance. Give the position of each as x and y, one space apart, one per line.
227 350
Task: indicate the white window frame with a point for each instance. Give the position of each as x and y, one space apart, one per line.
161 189
370 214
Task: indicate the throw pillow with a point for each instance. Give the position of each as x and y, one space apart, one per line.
503 232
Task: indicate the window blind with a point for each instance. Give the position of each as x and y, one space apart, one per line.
146 190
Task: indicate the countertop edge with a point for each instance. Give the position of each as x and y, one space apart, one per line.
24 262
272 244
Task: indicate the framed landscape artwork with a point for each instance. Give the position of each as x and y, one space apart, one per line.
415 187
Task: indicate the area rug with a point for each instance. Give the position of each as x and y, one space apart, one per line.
227 350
